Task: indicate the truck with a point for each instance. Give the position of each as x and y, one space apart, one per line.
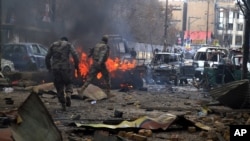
130 78
118 46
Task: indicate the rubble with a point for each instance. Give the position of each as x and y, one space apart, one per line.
145 111
36 124
92 92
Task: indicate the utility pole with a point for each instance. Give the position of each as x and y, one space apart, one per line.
207 21
166 28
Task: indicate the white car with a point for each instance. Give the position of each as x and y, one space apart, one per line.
7 66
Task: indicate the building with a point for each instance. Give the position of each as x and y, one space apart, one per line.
208 21
230 24
29 21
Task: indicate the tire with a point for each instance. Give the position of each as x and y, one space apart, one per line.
6 69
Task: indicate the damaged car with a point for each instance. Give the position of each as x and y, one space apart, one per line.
165 68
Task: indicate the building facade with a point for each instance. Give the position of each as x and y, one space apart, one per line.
209 22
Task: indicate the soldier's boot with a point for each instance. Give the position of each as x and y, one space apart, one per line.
62 101
63 107
68 101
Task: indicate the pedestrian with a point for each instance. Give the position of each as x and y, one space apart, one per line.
58 62
133 53
99 54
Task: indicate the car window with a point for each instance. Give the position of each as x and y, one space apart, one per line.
43 50
20 49
200 56
7 49
35 49
166 58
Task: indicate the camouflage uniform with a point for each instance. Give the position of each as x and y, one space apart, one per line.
57 60
100 54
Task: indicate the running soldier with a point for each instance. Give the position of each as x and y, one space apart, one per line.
99 54
58 62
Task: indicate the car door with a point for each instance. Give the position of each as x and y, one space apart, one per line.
39 53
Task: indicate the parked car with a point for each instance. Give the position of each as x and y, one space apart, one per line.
7 66
25 56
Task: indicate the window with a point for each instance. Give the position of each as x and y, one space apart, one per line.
230 17
221 19
230 26
20 49
7 51
240 27
201 56
241 17
166 58
43 50
238 40
228 39
35 49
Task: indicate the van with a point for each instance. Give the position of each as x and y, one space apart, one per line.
209 57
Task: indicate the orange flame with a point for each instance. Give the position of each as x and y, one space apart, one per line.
112 64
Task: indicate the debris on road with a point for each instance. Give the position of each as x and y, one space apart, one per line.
193 115
37 123
92 92
234 94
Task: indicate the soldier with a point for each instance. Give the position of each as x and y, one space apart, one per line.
133 53
58 62
100 54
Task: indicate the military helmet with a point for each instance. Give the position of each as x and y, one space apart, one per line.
64 38
105 38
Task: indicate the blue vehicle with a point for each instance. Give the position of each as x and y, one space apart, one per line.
25 56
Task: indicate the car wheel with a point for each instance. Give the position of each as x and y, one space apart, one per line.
6 69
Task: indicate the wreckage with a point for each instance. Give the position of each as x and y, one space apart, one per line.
235 94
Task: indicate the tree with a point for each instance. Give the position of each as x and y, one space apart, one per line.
244 5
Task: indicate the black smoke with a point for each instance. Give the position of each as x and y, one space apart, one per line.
82 21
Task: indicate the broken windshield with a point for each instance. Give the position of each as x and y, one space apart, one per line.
166 58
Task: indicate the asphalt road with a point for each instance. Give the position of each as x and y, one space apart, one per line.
153 102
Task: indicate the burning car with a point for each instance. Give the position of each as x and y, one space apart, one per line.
165 67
